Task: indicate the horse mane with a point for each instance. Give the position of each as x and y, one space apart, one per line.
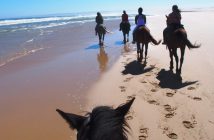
106 124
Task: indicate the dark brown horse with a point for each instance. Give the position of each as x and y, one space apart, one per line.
125 27
178 39
143 37
101 30
103 123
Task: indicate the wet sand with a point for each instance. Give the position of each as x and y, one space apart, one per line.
58 76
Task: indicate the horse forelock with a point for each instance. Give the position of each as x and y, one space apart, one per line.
106 124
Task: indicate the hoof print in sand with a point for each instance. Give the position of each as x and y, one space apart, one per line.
188 124
129 118
143 81
122 88
153 90
127 79
197 98
169 94
143 133
153 102
172 136
170 115
191 88
169 108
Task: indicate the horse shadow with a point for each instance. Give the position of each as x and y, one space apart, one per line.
170 80
136 68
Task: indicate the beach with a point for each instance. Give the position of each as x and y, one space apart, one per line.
71 72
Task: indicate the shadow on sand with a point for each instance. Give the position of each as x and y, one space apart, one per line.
170 80
136 68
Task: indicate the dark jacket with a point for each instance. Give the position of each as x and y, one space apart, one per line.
99 19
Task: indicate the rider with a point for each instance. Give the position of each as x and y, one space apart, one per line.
125 19
99 21
173 22
140 20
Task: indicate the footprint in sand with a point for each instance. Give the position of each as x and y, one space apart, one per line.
154 90
191 88
148 75
172 136
169 108
142 81
129 118
188 124
128 79
170 111
169 133
130 97
143 133
170 115
169 94
153 102
197 98
122 88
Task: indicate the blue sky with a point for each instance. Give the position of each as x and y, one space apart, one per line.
22 8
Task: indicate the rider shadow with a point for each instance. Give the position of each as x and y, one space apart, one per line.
136 68
102 58
170 80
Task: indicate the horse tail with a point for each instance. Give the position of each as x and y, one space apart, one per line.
190 45
183 35
154 41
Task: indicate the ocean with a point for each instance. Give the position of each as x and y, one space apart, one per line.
23 36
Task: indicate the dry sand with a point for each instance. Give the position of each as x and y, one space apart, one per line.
164 107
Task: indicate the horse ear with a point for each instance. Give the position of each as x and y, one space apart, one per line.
123 109
75 121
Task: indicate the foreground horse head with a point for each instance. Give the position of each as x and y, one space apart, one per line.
103 123
178 39
143 37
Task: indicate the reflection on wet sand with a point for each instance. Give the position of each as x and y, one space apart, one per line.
102 58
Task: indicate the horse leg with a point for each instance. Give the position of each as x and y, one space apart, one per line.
182 58
124 38
171 59
103 38
141 51
146 50
127 37
176 59
99 35
138 51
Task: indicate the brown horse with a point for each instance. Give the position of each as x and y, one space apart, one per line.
143 37
178 39
125 27
103 123
101 30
